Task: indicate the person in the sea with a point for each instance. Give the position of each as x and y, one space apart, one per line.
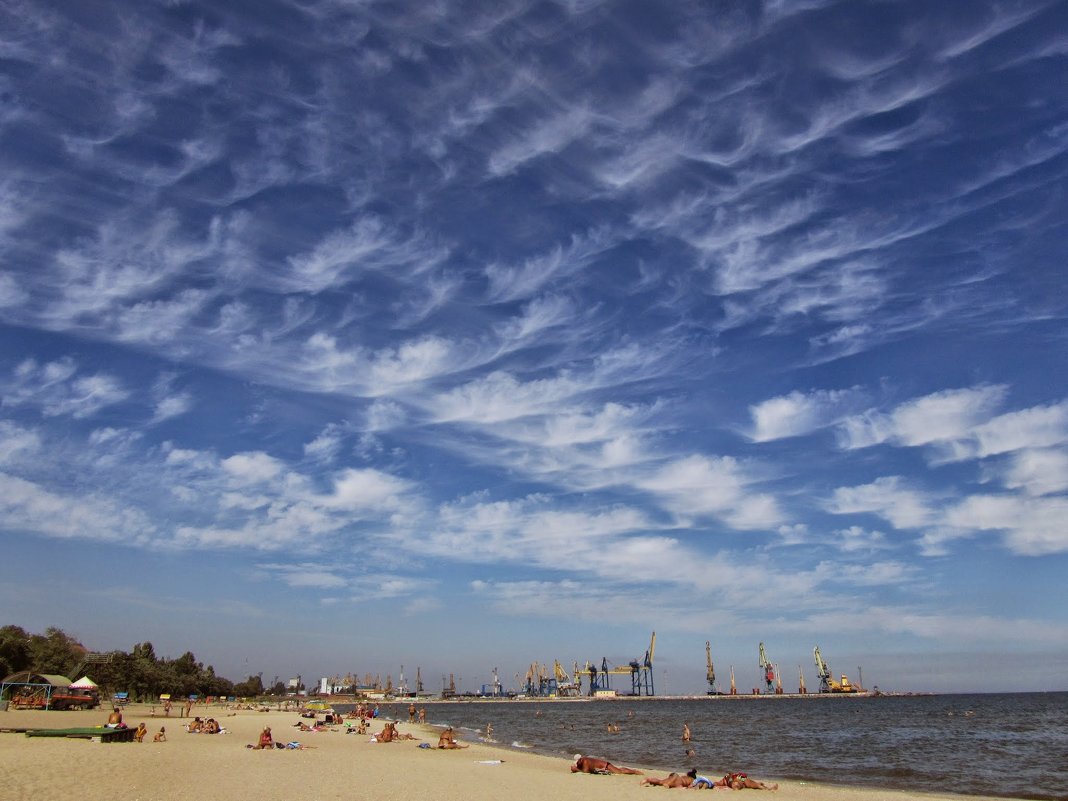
585 764
672 780
448 740
735 781
686 732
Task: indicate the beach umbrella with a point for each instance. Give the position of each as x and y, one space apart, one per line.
318 706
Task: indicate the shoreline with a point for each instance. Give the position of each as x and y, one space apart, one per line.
332 765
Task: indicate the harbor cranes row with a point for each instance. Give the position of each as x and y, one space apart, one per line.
543 681
640 672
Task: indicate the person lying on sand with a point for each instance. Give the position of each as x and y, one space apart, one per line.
735 781
672 780
585 764
448 740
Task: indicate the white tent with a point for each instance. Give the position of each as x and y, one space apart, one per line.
84 683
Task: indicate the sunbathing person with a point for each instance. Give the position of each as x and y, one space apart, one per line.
585 764
388 733
115 720
266 739
672 780
735 781
448 740
161 735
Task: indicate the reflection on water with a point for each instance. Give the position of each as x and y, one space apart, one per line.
1009 745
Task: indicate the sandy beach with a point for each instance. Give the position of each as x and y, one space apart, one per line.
336 765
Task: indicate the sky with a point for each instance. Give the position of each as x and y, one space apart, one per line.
338 336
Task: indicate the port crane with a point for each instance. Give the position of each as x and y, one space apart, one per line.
710 673
640 672
767 669
565 685
828 684
641 675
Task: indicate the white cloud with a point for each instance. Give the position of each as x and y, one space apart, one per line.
959 425
887 497
367 490
1037 427
699 485
11 294
946 416
855 538
17 443
26 506
550 135
1031 526
872 575
798 413
55 387
367 245
326 445
251 468
526 280
1037 471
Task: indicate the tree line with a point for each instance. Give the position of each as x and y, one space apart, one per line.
140 672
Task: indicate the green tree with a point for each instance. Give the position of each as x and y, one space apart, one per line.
252 687
55 652
14 650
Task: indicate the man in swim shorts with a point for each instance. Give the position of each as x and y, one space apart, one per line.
585 764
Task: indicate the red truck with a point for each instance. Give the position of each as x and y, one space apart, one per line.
63 698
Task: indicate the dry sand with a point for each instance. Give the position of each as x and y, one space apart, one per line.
339 766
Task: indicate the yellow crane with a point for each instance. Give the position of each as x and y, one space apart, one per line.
827 684
710 673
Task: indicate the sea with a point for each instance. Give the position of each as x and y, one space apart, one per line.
1011 745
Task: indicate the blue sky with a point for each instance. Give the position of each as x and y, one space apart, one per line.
340 335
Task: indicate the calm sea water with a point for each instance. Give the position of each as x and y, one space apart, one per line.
1013 745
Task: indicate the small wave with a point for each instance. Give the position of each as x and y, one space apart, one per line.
517 744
